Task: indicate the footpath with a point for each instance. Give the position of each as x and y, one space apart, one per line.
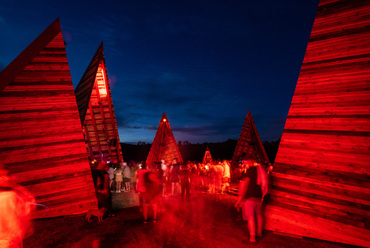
203 221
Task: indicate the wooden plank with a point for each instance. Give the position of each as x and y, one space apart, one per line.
79 160
60 185
49 173
322 181
73 208
33 140
289 221
346 178
354 212
44 152
336 193
342 124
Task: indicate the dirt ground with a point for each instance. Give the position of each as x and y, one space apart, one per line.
202 221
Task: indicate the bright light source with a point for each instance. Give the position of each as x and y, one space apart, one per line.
100 80
164 120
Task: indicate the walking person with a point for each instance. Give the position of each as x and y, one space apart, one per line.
174 175
118 178
152 194
225 177
126 177
185 182
111 177
165 177
251 196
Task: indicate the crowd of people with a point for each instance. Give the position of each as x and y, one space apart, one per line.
170 179
153 183
175 178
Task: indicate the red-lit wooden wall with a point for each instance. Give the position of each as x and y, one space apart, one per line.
164 145
97 115
249 145
207 158
321 183
41 141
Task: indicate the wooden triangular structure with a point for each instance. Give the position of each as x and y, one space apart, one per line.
207 158
321 185
95 105
164 145
41 142
249 145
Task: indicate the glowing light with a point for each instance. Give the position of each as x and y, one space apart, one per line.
164 120
100 80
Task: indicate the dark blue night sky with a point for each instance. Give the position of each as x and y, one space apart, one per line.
203 63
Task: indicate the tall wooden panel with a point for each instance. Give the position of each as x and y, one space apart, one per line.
249 145
321 183
164 145
94 100
41 140
207 158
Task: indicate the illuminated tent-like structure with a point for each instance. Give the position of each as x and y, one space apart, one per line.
41 142
164 145
96 110
207 158
321 184
249 145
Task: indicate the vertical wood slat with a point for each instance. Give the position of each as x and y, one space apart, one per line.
323 156
43 144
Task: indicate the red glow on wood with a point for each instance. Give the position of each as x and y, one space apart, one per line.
100 80
164 146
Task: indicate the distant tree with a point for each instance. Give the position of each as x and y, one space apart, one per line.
195 152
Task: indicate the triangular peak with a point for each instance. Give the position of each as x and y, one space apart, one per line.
41 142
97 115
28 54
164 117
249 145
164 145
85 86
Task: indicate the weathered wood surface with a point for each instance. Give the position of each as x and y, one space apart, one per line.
164 145
249 145
41 141
320 180
97 112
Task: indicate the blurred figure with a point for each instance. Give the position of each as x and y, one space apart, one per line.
134 168
15 208
250 198
152 194
219 171
140 185
174 175
165 176
111 177
126 177
118 178
185 181
225 177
